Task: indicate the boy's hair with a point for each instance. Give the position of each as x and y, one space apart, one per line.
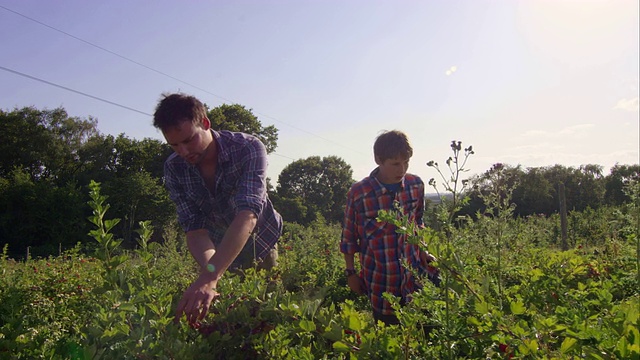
392 144
173 109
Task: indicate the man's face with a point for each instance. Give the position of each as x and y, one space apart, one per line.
189 140
392 170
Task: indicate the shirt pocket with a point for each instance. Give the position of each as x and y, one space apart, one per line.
376 233
410 207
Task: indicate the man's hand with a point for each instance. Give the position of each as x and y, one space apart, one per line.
356 284
196 300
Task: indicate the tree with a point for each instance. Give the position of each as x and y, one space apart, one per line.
321 185
292 210
131 172
583 186
135 197
45 143
535 191
104 156
500 179
615 182
590 192
40 215
238 118
534 194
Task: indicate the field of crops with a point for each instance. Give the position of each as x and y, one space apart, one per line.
508 291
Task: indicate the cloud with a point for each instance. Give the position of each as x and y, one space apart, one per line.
529 148
627 104
569 131
451 70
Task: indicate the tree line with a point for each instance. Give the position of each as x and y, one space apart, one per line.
535 190
48 158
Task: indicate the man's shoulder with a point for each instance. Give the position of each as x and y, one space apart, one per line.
175 167
235 136
174 160
234 143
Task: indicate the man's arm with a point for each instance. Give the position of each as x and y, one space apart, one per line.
234 239
204 252
200 246
197 298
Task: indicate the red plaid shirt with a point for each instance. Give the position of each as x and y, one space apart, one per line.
381 248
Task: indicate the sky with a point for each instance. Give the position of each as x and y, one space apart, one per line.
529 83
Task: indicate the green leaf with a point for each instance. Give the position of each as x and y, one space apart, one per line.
340 346
117 260
517 308
536 274
127 307
581 286
334 333
622 348
471 320
307 325
153 307
109 224
354 322
482 307
568 344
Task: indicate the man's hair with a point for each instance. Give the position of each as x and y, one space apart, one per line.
173 109
392 144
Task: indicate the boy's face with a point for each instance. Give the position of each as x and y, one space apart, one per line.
189 140
392 170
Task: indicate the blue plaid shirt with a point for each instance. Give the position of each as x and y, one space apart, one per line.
240 184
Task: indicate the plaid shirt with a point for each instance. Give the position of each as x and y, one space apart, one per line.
381 248
240 184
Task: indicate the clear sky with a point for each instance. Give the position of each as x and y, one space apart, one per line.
531 83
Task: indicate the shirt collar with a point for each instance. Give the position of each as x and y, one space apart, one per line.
223 154
378 186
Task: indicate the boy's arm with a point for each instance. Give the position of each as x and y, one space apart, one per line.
349 245
349 261
425 257
349 238
355 282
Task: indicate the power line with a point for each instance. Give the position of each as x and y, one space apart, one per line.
95 97
111 52
167 75
74 91
284 156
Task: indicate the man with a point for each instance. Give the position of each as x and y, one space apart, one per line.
217 180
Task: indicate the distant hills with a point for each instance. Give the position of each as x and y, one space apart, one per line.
435 199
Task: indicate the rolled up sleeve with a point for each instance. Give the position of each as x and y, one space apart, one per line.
349 241
252 188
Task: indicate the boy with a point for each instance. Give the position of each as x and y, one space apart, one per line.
217 180
381 249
